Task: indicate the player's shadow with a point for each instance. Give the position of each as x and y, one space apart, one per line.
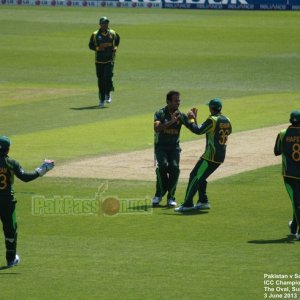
6 268
187 213
161 206
140 208
164 207
88 107
289 239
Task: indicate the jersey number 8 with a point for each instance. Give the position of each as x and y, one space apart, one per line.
296 152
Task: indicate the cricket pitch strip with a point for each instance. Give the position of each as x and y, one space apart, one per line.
247 150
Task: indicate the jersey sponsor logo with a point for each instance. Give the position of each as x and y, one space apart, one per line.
171 131
105 45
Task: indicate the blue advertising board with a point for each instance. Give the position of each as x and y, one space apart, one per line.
181 4
234 4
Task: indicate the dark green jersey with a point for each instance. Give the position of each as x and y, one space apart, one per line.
170 137
217 129
9 168
104 43
288 145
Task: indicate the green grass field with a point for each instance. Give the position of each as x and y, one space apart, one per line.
47 92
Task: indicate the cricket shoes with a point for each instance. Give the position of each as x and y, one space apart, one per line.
101 104
171 202
156 200
14 262
293 228
298 237
108 98
183 208
202 205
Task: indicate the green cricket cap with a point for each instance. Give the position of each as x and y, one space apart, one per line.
103 20
215 103
295 116
4 142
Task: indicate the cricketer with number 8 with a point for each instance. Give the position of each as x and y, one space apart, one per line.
288 146
8 168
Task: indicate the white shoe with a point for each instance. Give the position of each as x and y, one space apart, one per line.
298 237
101 104
156 200
293 231
184 208
201 205
14 262
171 202
108 98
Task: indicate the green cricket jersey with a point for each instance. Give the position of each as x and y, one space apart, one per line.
217 129
288 145
170 137
103 43
8 168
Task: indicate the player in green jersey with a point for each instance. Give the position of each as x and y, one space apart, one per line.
288 146
104 42
8 168
217 129
167 126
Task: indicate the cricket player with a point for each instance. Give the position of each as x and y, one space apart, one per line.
8 168
288 146
217 128
104 42
167 126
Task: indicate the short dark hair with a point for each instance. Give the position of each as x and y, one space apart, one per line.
170 95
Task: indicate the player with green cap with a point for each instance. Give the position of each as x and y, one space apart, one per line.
217 128
104 42
8 168
288 146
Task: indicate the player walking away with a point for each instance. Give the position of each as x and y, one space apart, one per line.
288 146
8 168
167 126
217 129
104 42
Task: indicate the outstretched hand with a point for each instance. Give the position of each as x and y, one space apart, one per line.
195 111
192 114
47 165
